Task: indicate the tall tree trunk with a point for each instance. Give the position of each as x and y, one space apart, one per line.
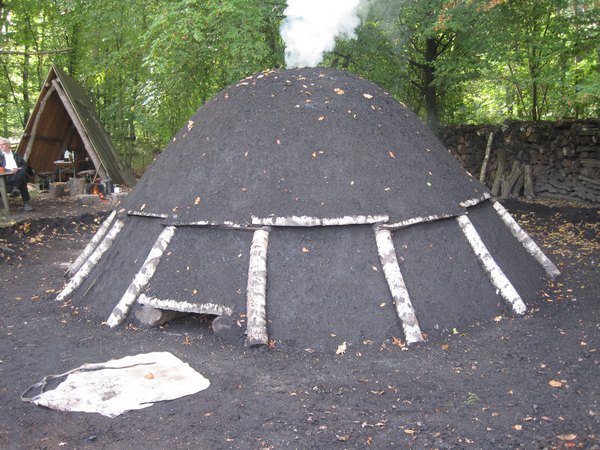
534 101
431 100
26 99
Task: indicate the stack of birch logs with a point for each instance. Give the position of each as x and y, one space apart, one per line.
548 159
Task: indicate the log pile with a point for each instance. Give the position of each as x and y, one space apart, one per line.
548 159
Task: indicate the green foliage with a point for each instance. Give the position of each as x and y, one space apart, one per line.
149 65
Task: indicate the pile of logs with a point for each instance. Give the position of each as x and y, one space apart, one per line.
548 159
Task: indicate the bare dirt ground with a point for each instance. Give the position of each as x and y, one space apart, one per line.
530 382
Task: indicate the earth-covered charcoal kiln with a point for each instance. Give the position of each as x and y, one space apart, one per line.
308 207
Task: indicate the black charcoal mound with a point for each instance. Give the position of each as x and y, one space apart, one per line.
306 142
312 145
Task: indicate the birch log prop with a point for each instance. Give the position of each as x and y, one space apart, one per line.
531 247
486 158
141 278
256 299
36 122
88 250
494 272
90 262
391 270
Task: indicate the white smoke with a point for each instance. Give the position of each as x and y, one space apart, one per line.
311 26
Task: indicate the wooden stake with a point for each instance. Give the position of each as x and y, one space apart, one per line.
531 247
488 150
391 270
256 299
501 157
494 272
141 278
87 251
90 262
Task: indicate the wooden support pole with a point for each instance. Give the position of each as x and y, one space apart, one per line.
79 126
141 278
494 272
87 251
500 162
486 158
256 299
90 262
36 122
531 247
391 270
528 190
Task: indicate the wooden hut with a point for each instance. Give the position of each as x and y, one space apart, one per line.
64 119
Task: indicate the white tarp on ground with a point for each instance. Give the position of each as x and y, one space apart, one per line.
121 385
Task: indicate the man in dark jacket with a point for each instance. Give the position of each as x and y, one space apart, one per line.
14 163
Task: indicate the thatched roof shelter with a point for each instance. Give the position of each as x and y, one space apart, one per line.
308 207
64 118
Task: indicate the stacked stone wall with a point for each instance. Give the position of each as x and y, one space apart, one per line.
548 159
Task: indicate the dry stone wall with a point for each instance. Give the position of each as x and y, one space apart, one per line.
548 159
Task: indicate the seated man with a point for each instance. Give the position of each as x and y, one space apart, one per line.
14 163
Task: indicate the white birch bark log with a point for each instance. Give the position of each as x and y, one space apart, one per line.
307 221
90 262
256 300
88 250
531 247
414 221
147 214
488 151
393 275
494 272
214 309
141 278
475 201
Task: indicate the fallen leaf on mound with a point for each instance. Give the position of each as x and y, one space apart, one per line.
409 431
369 96
341 349
567 437
339 91
518 427
554 383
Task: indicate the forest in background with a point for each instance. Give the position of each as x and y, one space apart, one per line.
148 66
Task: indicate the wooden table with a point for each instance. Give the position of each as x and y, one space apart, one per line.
64 167
3 194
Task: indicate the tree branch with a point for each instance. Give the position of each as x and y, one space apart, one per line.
37 53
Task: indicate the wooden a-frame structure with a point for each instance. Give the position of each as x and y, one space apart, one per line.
64 118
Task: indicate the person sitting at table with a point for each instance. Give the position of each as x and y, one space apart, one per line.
20 171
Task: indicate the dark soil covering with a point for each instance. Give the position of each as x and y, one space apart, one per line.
306 142
528 382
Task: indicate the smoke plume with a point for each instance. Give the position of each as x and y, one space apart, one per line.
311 26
